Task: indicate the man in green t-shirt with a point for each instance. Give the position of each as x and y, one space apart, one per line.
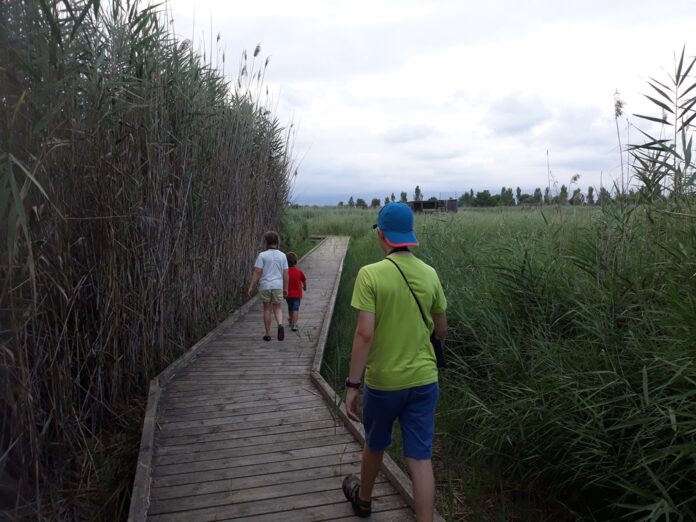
392 346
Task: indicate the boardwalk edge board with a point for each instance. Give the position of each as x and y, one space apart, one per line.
140 497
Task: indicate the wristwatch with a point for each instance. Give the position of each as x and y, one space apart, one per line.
349 384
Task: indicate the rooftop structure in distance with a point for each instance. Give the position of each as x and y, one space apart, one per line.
434 205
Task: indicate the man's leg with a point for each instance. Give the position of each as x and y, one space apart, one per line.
278 311
421 472
417 421
267 317
369 468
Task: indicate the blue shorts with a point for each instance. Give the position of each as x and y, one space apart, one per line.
415 409
293 304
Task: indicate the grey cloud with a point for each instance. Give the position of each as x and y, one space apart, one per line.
436 155
516 114
405 133
581 126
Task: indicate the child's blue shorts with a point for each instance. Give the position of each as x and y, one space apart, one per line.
293 304
415 409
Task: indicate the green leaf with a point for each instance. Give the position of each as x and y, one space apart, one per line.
53 24
686 123
4 192
659 103
27 174
19 210
688 90
660 91
78 22
688 105
661 84
688 70
652 118
678 77
648 144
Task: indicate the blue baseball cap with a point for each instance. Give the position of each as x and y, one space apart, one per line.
395 220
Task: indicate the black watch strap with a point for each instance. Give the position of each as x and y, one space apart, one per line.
352 384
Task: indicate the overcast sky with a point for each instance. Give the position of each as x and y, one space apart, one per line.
448 95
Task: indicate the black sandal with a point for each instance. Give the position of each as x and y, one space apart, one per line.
266 338
351 489
281 332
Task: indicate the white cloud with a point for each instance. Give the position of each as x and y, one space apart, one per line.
406 133
449 95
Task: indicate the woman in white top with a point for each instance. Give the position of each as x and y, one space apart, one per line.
271 272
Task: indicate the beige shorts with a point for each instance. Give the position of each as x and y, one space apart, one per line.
274 296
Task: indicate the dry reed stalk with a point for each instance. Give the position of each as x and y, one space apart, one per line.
159 182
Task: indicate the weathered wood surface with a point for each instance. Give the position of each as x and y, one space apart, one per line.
241 432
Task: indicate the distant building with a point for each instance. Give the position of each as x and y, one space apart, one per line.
434 205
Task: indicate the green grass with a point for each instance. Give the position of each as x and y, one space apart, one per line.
572 393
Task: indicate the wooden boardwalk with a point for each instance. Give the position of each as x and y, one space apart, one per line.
242 429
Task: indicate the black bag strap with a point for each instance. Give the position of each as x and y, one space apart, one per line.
420 309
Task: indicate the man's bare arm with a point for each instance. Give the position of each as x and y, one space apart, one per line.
255 276
440 321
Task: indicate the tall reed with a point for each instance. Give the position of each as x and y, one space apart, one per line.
571 392
135 185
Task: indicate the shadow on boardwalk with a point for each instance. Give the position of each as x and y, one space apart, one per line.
236 429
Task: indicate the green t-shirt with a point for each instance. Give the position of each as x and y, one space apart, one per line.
401 355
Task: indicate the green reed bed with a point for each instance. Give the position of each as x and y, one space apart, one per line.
135 185
574 339
571 392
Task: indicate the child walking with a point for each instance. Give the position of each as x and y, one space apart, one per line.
271 272
297 283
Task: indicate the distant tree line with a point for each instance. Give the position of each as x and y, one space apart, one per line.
376 202
506 198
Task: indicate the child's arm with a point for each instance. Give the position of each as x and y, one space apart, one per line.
304 282
286 282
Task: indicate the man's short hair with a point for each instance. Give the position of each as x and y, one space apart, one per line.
292 258
271 238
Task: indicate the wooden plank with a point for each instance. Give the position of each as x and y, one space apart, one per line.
301 417
235 405
242 373
188 404
392 515
242 388
187 383
232 369
247 460
340 469
140 498
186 387
246 409
256 469
230 364
201 457
202 447
387 508
243 419
229 436
272 505
253 494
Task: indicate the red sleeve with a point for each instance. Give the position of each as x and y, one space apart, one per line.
304 279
